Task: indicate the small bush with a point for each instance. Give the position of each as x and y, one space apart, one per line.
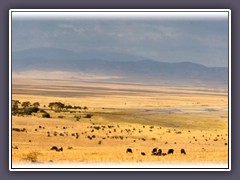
42 111
77 117
18 129
88 116
15 112
30 110
32 156
68 107
76 107
46 115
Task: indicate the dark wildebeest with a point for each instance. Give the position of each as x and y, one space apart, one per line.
129 150
164 154
143 153
15 147
183 151
170 151
154 151
159 153
54 148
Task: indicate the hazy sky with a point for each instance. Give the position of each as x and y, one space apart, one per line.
200 40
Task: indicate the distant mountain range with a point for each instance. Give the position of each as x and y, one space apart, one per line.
127 66
63 54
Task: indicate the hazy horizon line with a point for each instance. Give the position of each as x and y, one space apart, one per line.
143 58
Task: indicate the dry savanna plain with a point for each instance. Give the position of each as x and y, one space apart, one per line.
119 123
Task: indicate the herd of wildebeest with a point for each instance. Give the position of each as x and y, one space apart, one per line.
157 152
98 133
101 132
108 130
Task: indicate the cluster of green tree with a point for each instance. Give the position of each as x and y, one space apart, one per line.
26 108
56 105
73 107
25 104
59 106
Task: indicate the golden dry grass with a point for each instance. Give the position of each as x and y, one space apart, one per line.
180 118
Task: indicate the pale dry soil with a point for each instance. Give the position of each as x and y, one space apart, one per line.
128 116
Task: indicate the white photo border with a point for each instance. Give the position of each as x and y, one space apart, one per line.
118 167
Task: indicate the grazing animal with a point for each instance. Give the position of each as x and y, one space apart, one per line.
15 147
129 150
159 153
60 149
183 151
154 151
54 148
164 154
170 151
143 154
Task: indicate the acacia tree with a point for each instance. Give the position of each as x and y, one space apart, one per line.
51 105
59 105
56 105
36 104
15 104
26 104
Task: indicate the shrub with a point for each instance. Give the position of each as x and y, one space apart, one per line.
46 115
26 111
68 107
15 112
77 117
32 156
42 111
88 116
30 110
18 129
76 107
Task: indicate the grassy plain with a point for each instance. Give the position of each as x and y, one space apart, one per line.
135 116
